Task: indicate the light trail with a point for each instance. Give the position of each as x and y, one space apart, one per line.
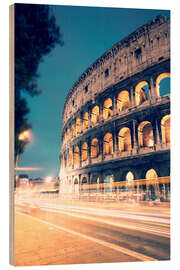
131 227
126 251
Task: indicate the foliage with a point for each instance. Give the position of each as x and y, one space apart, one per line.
36 34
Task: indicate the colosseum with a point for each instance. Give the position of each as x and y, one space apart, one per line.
116 121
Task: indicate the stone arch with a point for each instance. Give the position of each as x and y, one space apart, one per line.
94 148
76 156
165 129
108 144
95 114
107 108
160 88
78 126
145 134
142 92
124 139
84 151
85 121
123 101
70 158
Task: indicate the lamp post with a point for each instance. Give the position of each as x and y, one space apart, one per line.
24 136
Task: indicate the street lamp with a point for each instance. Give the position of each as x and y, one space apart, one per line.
24 136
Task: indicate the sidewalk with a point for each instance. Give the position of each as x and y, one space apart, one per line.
40 243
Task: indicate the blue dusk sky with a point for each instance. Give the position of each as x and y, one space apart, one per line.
87 33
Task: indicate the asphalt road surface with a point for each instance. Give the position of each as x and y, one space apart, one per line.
128 232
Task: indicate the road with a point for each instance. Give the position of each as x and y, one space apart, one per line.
106 233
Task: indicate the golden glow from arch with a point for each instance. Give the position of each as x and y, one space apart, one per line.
123 101
70 158
158 80
165 129
68 134
124 139
84 151
107 108
140 94
108 144
151 174
145 134
78 126
95 114
94 148
72 130
130 178
85 121
76 156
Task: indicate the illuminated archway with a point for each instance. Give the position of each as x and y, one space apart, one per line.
94 148
123 101
68 134
84 151
165 129
107 108
70 158
129 178
108 144
85 121
141 92
145 134
163 84
72 130
76 156
124 139
78 126
151 174
95 114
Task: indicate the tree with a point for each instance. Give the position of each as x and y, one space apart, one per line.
36 34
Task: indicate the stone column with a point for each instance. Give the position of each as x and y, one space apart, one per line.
153 92
100 112
132 96
114 105
135 143
80 154
157 136
89 117
89 150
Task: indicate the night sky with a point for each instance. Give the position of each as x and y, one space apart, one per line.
87 34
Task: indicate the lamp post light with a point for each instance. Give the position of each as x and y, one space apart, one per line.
24 136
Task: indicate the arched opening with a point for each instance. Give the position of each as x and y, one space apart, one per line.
72 130
107 108
70 158
130 177
76 156
152 186
78 126
165 129
123 101
108 144
145 134
85 120
163 84
151 174
95 114
124 139
142 92
84 151
94 148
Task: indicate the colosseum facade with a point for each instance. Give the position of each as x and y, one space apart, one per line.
116 119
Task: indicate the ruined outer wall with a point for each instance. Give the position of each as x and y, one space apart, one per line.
121 61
